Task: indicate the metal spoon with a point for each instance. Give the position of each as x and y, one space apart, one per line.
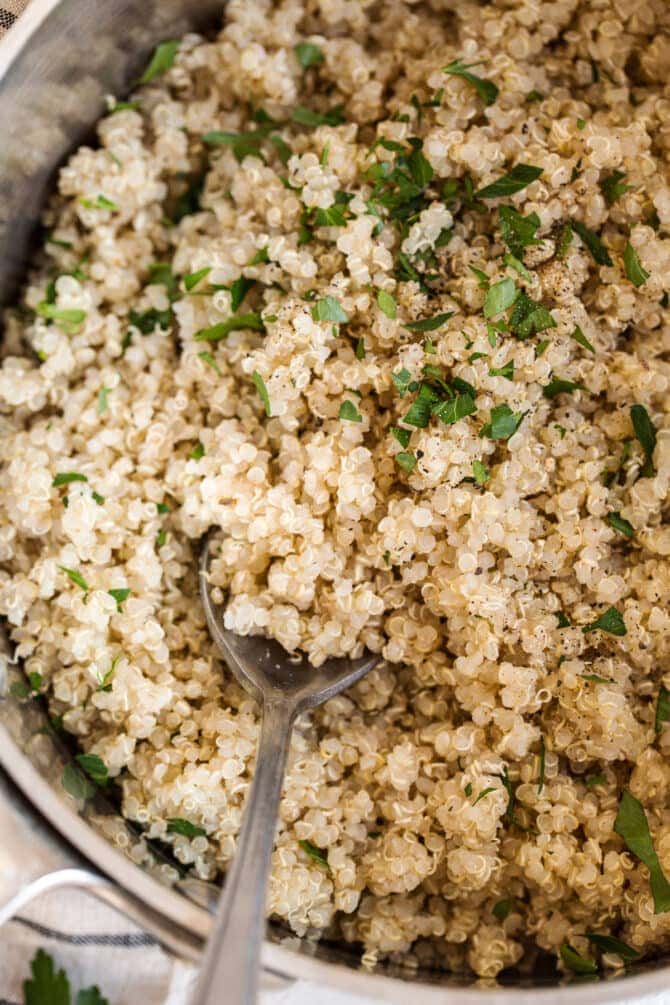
285 687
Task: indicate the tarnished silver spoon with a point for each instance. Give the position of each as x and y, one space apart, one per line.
285 687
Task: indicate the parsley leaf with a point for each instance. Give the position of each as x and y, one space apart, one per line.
589 237
429 324
632 825
119 596
558 386
455 408
76 783
75 577
518 231
481 472
662 708
161 61
608 944
501 909
193 278
633 266
486 89
610 621
69 319
646 434
349 412
308 54
618 523
422 407
91 996
499 297
529 317
484 793
317 854
402 379
237 322
612 187
197 453
581 339
47 986
578 964
403 436
100 202
506 371
102 399
306 117
263 392
515 180
94 766
386 303
502 424
66 477
209 361
238 291
406 460
177 825
329 309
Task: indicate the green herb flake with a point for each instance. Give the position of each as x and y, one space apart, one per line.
177 825
486 89
403 436
307 117
349 412
541 347
484 793
259 384
646 435
193 278
406 460
592 780
386 303
502 424
94 767
501 909
500 297
483 281
161 61
506 371
613 187
633 266
529 317
422 407
238 322
359 351
558 386
534 96
67 477
608 944
514 263
518 231
119 595
454 409
429 324
593 242
580 338
197 453
480 472
329 309
126 106
20 689
308 54
611 621
97 498
46 986
238 291
514 181
563 620
316 854
103 395
618 523
662 709
564 242
76 784
578 964
632 825
402 380
69 319
75 577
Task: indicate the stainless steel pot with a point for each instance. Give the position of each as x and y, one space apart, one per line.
55 67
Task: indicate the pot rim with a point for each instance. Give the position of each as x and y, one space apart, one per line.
163 910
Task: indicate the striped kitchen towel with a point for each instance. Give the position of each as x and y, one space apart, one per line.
9 12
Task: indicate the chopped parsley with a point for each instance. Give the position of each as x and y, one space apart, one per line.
359 351
67 318
177 825
329 309
308 54
484 793
646 435
262 391
608 944
403 436
662 709
406 460
515 180
307 117
578 964
563 620
100 202
119 595
581 339
386 303
529 317
513 262
500 297
429 324
593 242
501 909
611 621
102 399
193 278
75 577
486 89
518 231
238 291
503 423
633 266
613 187
237 322
480 472
260 258
558 386
67 477
209 361
593 780
94 767
197 453
632 825
316 854
618 523
402 380
422 407
161 61
455 408
506 371
48 986
126 106
349 412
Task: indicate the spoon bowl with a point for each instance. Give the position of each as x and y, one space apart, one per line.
285 685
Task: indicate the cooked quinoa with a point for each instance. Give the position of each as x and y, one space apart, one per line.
431 418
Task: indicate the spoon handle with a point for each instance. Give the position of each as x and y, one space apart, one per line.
230 966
